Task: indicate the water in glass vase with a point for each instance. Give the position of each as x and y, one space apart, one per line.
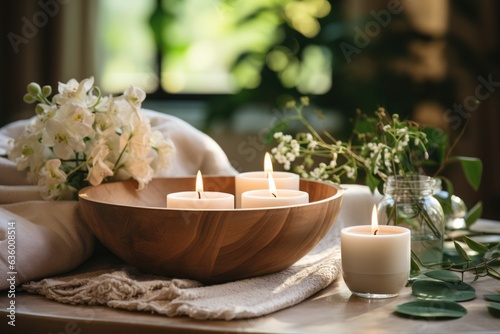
428 248
408 202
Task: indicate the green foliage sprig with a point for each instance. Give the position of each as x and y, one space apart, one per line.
380 145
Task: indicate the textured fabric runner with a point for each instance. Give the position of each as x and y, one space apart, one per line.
126 288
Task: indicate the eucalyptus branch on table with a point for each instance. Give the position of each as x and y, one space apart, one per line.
439 291
487 256
479 265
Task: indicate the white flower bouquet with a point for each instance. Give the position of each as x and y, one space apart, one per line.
81 138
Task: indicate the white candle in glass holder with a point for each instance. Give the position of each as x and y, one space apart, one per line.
199 199
272 197
259 180
375 258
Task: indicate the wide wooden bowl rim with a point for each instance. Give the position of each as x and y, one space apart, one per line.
83 194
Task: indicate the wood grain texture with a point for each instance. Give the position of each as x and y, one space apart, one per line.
209 246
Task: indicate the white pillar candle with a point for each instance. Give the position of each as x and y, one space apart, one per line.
199 199
262 198
259 180
375 259
272 197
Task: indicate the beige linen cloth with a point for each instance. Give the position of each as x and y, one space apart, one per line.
52 240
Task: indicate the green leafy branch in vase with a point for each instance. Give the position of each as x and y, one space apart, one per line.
380 145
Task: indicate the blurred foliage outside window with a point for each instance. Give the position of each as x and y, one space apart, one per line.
229 53
211 47
126 47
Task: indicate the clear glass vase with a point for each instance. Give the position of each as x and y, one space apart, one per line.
408 201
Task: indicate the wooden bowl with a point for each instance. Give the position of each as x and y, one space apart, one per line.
208 246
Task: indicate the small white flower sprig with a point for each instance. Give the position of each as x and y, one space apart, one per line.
82 138
383 145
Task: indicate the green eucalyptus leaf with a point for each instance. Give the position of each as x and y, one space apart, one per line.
371 181
473 169
380 188
461 251
494 309
474 245
437 142
492 272
492 298
449 185
432 309
443 275
474 214
439 290
493 253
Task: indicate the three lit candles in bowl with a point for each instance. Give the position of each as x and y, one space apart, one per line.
252 190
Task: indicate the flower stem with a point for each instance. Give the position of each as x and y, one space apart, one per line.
117 165
43 99
451 148
76 169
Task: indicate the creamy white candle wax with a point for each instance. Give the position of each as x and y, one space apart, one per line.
199 199
259 180
375 259
272 197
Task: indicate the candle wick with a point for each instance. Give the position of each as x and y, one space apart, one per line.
199 195
375 233
274 195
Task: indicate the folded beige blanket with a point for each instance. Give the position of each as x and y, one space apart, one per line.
51 239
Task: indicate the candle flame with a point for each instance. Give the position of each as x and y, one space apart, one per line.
199 184
272 186
268 164
374 221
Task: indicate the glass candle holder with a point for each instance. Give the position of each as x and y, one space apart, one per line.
375 265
